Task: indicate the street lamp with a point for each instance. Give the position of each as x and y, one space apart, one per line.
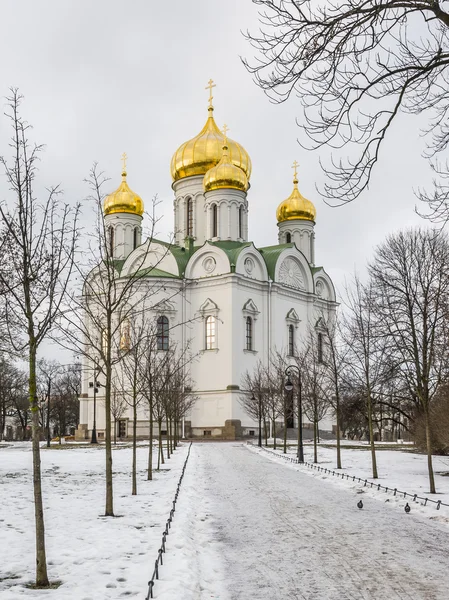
253 400
289 388
96 385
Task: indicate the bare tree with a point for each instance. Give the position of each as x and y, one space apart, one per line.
355 67
95 321
410 275
256 396
38 240
315 384
13 400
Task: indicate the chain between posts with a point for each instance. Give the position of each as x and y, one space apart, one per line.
159 562
366 483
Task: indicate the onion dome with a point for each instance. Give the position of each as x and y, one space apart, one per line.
296 206
204 151
226 174
123 200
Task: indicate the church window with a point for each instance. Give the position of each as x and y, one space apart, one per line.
210 332
162 333
291 340
241 222
111 240
288 238
320 348
249 333
135 234
214 220
125 338
189 217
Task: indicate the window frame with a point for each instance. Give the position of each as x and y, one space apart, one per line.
163 333
210 331
249 334
291 340
189 217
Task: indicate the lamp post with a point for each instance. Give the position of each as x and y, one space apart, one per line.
96 385
289 388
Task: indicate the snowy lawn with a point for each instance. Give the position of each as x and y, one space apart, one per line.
93 557
402 469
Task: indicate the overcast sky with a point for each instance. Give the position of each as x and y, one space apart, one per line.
103 77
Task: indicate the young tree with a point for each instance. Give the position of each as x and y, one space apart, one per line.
255 399
37 242
355 67
409 273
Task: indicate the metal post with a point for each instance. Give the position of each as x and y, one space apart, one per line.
260 422
94 426
289 388
48 414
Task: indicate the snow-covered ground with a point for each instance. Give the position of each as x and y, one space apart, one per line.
247 524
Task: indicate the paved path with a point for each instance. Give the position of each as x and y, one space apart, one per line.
285 535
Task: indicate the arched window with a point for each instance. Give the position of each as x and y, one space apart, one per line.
135 237
249 333
111 240
241 222
125 338
320 348
214 220
162 333
288 238
291 340
210 332
189 217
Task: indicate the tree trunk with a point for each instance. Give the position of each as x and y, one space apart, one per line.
265 425
167 429
109 507
134 473
337 410
274 432
41 560
429 451
371 435
315 441
150 450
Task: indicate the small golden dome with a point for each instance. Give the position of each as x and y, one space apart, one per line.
198 155
296 206
225 174
123 200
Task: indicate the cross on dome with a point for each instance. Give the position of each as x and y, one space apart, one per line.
124 158
295 166
225 130
210 85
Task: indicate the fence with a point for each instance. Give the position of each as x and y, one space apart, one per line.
366 483
158 562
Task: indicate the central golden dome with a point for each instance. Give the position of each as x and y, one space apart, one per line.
201 153
296 206
123 200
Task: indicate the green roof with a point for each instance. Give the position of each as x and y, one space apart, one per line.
232 249
271 254
153 272
180 254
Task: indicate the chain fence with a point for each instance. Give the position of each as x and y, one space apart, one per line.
366 483
159 562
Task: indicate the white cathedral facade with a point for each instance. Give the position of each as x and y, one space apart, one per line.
233 303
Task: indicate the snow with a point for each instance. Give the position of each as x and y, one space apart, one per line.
247 524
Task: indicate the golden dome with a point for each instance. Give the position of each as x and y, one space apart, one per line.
198 155
225 174
123 200
296 206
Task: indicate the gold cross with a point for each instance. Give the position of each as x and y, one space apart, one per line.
124 157
209 87
225 131
295 166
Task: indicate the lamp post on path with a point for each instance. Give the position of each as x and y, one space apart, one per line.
96 385
289 388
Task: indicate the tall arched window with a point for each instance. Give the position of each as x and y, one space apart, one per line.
162 333
241 222
288 238
189 217
291 340
249 333
111 240
135 237
211 334
320 348
214 220
125 337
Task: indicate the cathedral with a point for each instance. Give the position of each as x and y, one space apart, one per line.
233 303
